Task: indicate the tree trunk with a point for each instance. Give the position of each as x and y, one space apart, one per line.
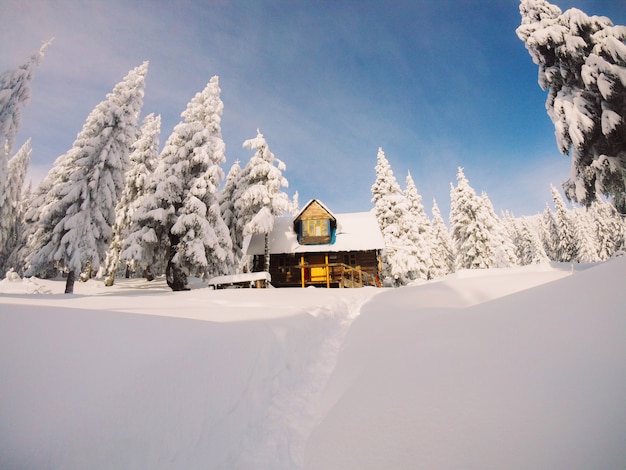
267 258
174 274
69 283
147 273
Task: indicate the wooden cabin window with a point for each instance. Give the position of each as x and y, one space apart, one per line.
315 231
317 228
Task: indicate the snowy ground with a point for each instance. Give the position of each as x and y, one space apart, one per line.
520 368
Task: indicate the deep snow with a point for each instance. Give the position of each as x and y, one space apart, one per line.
516 368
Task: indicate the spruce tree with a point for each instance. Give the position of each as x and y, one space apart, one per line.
582 64
564 237
418 232
141 167
390 206
15 93
11 212
229 212
442 254
78 212
259 197
470 227
586 244
609 229
183 213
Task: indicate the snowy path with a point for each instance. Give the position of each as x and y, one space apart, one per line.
279 441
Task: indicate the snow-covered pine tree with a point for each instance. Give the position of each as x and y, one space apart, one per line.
529 248
229 212
502 244
183 212
609 229
582 64
549 234
259 197
479 237
11 216
442 253
142 160
418 231
565 242
15 93
76 219
586 244
390 205
471 229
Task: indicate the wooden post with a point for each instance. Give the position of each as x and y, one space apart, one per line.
302 270
327 272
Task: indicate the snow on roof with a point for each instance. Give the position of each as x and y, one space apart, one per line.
357 231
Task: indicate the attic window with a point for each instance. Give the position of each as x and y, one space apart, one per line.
315 231
316 228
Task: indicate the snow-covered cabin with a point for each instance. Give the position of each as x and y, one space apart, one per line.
319 248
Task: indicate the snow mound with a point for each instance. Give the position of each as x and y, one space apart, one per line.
519 368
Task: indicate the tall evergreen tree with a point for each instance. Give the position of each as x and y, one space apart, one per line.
550 234
529 248
582 64
15 93
609 229
183 212
565 241
442 254
76 219
586 244
418 232
259 197
142 164
503 247
390 205
11 212
471 227
229 212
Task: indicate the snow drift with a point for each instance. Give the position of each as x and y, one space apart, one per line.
513 368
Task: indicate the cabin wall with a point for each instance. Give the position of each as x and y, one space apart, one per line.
286 270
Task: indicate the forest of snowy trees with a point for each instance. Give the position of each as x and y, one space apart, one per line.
116 205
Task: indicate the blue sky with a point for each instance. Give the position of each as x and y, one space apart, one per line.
437 84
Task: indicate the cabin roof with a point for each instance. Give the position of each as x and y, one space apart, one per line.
321 204
357 231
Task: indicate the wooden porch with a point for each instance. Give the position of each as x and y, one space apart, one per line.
321 270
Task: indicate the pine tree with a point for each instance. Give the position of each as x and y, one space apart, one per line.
503 247
11 216
418 232
229 212
15 93
76 218
442 254
183 212
582 62
529 247
390 205
565 242
259 197
142 163
471 227
609 229
550 234
586 244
